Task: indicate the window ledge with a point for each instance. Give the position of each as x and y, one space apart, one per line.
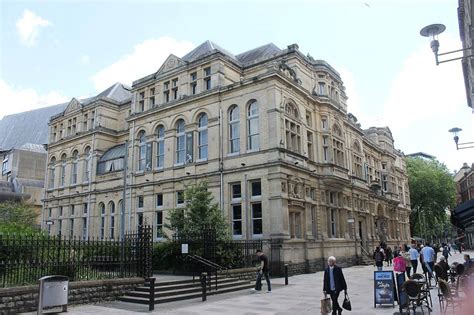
178 165
253 150
233 154
201 161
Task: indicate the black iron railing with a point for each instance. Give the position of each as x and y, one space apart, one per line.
26 258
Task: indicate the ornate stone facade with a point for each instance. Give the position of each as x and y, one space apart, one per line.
268 129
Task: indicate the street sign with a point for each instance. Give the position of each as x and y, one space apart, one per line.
350 220
184 249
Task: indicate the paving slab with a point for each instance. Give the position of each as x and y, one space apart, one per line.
301 296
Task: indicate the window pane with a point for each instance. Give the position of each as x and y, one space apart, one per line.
237 212
256 189
236 191
159 200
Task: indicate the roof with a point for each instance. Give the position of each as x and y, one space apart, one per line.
422 155
27 127
118 92
113 153
33 147
258 54
205 49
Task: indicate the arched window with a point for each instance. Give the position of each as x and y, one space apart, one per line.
338 146
102 220
291 110
202 137
180 142
252 126
141 151
160 146
74 167
234 130
112 220
62 180
87 164
52 172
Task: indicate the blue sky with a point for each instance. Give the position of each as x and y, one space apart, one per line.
51 51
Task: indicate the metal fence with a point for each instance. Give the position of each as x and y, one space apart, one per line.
26 258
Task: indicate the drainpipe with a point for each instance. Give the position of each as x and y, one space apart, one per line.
45 188
221 156
131 177
122 210
90 162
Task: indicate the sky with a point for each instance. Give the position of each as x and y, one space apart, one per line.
51 51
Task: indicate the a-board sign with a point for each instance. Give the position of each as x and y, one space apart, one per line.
184 249
402 295
384 288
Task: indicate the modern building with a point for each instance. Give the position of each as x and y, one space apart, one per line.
268 129
464 211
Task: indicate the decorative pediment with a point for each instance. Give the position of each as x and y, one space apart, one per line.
172 62
73 105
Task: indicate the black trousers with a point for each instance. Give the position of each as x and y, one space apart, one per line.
335 304
258 283
414 265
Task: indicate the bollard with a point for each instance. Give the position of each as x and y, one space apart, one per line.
286 274
151 302
203 286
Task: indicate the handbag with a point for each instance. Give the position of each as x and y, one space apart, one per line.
326 305
347 303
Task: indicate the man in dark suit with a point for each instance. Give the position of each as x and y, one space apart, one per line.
334 283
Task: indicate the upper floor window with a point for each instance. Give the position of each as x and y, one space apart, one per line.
337 130
202 136
166 91
140 202
252 126
207 78
180 142
324 123
193 84
74 167
292 129
234 129
160 146
87 164
180 198
291 111
322 88
309 137
141 102
151 100
141 151
62 178
52 172
84 122
175 88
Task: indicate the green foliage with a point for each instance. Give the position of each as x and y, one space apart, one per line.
165 256
201 213
17 217
432 191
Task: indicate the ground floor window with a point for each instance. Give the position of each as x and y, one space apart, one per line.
159 224
84 228
112 227
237 220
257 222
102 228
71 227
333 222
296 224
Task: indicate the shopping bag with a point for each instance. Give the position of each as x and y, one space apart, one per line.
347 303
326 306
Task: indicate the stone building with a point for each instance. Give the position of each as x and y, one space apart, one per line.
268 129
464 211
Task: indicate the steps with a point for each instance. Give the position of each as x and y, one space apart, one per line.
365 261
171 291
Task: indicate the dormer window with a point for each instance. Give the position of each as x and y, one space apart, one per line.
322 88
193 83
207 78
175 88
141 102
166 91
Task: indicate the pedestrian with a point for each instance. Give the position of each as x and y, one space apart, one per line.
379 258
446 253
389 256
406 255
428 257
262 270
334 283
414 254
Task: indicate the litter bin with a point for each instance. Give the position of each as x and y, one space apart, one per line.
53 292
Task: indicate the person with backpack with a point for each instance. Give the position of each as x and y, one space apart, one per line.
389 256
379 258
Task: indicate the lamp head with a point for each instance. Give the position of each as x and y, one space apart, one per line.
432 31
455 131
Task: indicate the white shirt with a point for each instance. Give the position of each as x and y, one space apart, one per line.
428 254
413 254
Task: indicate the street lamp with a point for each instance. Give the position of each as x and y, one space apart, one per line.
433 31
460 146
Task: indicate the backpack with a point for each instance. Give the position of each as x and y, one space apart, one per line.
378 257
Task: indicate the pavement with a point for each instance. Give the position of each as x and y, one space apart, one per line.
301 296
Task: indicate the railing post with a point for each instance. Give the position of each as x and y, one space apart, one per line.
151 302
286 274
204 286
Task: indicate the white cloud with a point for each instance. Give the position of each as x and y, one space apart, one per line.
425 101
28 27
85 59
145 58
16 99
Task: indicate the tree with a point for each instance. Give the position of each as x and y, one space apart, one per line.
200 214
432 192
17 217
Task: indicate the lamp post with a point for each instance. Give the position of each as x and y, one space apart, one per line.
433 31
460 146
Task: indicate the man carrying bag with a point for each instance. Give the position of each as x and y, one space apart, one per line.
333 284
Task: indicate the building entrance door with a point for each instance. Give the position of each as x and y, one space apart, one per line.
361 235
